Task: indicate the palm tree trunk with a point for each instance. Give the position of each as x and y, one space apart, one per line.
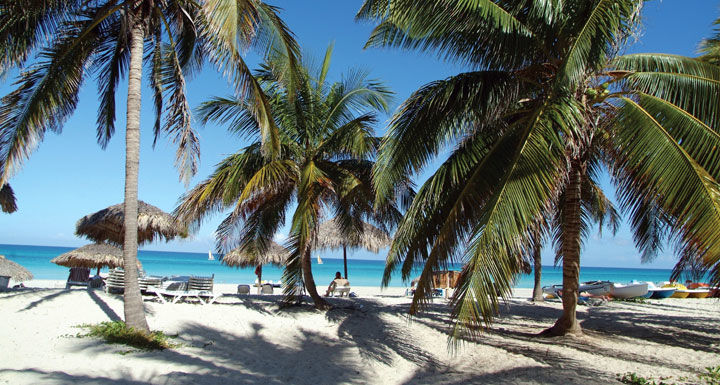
306 262
537 270
258 271
568 324
134 309
345 260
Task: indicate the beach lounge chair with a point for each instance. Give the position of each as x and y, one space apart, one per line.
341 288
201 283
200 288
115 281
205 297
266 289
243 289
79 276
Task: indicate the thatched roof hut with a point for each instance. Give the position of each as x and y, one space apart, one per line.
275 255
95 255
11 269
7 199
107 225
370 238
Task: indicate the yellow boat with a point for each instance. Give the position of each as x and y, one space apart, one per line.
681 292
698 293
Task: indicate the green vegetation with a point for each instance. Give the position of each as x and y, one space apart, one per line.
324 165
634 379
59 44
525 134
711 376
117 332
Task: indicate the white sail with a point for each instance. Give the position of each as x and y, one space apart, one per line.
320 262
210 256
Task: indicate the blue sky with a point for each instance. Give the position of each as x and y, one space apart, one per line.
69 176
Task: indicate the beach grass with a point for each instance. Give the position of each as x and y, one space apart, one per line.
117 332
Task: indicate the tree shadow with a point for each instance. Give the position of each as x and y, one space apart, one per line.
104 306
209 356
57 293
377 339
33 375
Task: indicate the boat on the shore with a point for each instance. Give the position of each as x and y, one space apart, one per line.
599 288
596 288
680 290
657 292
631 290
698 293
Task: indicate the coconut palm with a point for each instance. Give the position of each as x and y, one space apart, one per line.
108 39
544 83
323 168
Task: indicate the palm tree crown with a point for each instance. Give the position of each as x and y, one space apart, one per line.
546 97
324 164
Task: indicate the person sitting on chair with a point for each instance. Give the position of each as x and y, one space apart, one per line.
338 281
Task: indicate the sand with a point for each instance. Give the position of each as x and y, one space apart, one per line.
368 339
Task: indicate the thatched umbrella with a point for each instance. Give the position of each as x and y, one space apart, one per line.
370 238
275 255
11 269
107 225
96 255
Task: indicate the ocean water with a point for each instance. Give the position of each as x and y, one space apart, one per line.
360 272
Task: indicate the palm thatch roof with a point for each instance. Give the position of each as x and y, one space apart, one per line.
92 256
275 255
7 199
107 225
11 269
370 238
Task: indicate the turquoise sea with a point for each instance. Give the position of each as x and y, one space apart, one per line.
361 272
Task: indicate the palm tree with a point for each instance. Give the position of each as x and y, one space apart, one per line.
324 164
544 83
104 38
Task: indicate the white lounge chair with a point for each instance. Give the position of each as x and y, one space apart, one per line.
340 291
205 297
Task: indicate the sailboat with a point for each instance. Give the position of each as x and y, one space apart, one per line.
320 262
210 256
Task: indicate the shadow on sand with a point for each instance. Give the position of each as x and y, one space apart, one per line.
370 333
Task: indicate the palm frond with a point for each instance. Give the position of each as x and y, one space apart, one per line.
668 176
480 32
45 96
684 82
609 22
7 199
432 113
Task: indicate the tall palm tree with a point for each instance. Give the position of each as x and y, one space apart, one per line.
323 168
108 38
544 82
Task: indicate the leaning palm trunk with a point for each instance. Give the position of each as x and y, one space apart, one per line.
568 324
134 310
306 262
537 270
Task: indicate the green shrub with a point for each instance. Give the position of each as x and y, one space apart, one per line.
711 375
634 379
117 332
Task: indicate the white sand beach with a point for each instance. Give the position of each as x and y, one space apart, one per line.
369 339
